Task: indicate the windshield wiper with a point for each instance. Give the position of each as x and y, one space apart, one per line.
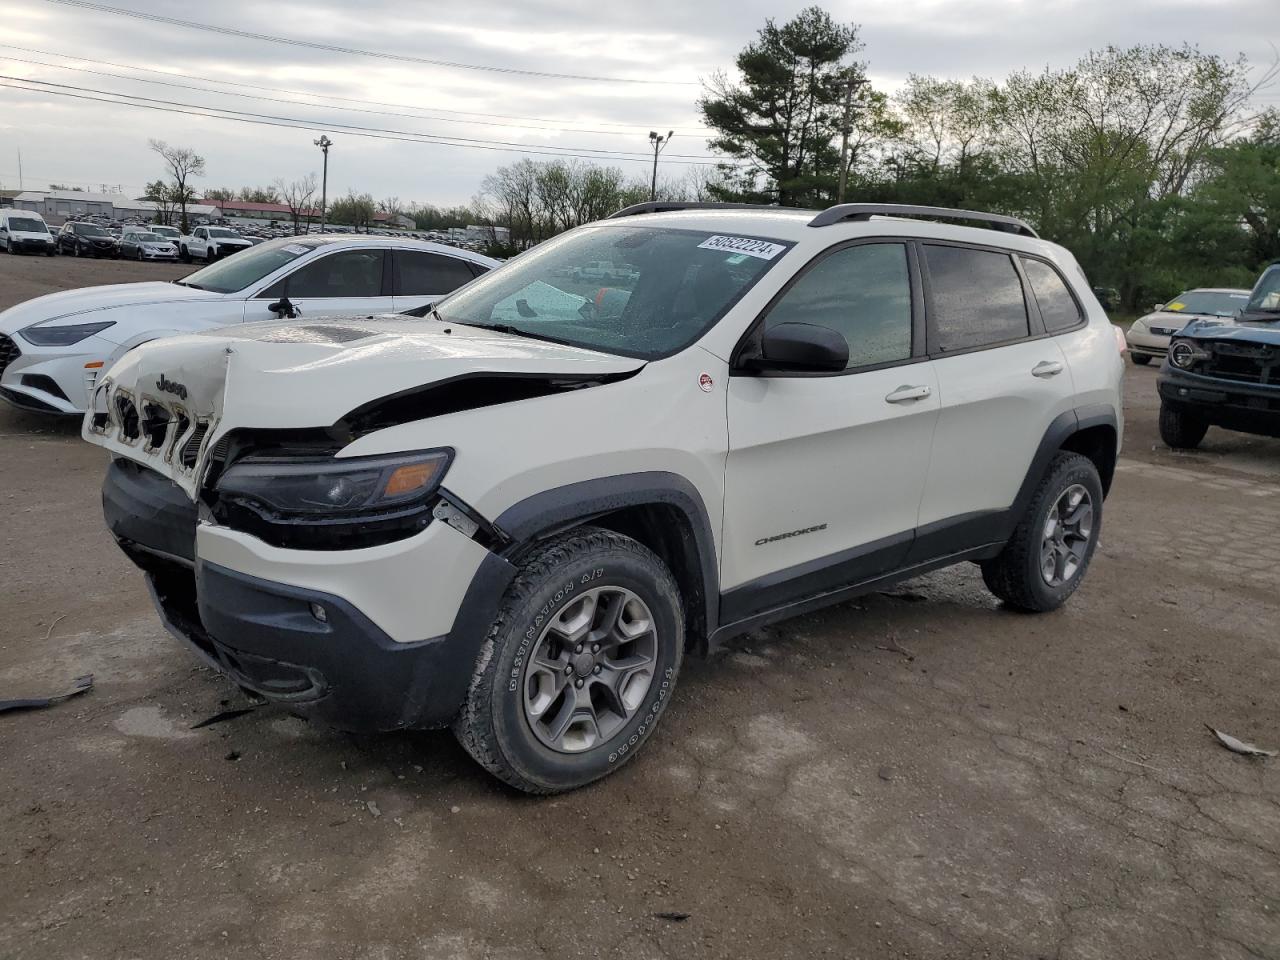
514 331
193 286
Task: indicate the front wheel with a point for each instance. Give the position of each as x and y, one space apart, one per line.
1140 359
184 254
1049 552
578 666
1180 428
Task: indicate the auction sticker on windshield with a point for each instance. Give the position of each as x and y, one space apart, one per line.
762 249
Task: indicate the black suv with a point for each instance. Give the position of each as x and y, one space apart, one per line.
87 240
1225 373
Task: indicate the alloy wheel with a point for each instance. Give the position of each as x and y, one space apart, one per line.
1067 531
590 669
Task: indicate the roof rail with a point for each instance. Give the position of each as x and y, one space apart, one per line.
865 211
662 206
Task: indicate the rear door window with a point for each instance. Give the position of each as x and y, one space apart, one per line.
977 298
419 273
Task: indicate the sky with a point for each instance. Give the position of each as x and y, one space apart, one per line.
497 77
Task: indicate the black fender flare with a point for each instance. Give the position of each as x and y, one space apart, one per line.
553 511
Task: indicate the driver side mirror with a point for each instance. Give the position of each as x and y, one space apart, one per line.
283 308
1157 307
802 347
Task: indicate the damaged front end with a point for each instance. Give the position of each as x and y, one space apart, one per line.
354 588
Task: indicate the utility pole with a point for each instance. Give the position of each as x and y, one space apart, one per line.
20 186
846 128
324 143
657 142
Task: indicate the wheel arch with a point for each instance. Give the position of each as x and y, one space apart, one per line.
663 511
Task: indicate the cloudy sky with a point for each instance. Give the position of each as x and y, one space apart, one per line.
644 61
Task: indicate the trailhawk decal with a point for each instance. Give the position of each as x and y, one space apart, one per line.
787 536
760 249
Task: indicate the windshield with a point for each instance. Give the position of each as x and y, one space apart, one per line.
247 267
637 291
1266 293
171 232
27 225
224 233
147 238
90 230
1210 303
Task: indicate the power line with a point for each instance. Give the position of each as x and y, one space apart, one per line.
630 127
296 124
300 103
461 141
353 51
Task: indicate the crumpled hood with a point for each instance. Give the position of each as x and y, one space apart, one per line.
307 374
1244 329
69 303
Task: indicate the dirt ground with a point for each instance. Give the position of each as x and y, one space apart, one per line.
914 774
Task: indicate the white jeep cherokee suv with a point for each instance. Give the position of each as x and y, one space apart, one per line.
515 514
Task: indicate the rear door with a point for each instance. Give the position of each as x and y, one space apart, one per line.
422 277
825 472
345 283
1002 381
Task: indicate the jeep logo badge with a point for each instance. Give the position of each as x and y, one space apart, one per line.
170 386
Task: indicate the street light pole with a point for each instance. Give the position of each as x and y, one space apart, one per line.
324 143
657 142
846 128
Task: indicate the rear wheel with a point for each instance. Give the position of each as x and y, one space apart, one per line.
1049 552
578 666
1140 359
1180 428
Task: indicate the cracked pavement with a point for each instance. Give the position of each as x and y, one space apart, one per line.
918 773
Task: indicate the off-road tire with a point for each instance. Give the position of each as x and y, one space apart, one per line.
492 725
1181 429
1140 359
1014 576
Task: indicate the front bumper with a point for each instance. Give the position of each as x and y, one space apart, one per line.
24 245
1235 405
1146 343
51 379
310 649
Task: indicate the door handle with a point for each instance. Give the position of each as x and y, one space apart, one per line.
907 393
1046 368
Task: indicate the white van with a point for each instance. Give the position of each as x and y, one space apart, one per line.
24 231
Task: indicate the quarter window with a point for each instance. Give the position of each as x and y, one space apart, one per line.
351 273
429 274
977 298
1057 306
861 292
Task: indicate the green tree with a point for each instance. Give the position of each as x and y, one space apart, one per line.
355 210
782 119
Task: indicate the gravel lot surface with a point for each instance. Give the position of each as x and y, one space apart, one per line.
913 774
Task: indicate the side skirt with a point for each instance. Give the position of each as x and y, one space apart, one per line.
870 585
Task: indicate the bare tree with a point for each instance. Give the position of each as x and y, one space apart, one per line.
297 196
184 163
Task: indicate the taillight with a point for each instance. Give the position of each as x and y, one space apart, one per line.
1121 343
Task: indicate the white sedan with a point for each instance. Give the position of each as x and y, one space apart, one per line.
53 348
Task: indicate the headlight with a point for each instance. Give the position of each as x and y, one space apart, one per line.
45 335
330 488
1184 354
330 504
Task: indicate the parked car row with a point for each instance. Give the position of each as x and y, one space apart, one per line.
1148 337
